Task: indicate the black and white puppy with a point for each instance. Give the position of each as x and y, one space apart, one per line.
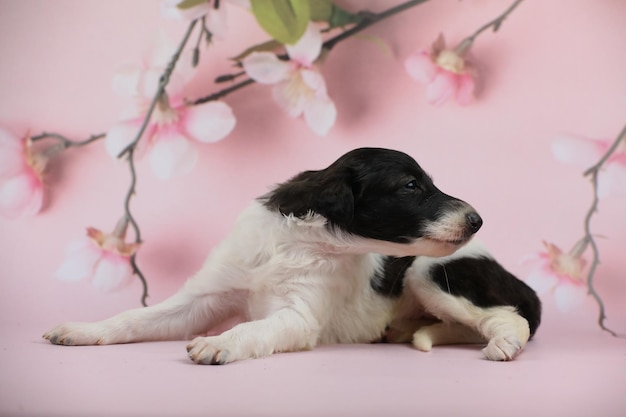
363 250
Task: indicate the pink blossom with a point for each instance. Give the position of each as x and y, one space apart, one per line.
21 171
105 258
215 17
174 127
171 132
584 153
559 273
299 88
445 73
139 81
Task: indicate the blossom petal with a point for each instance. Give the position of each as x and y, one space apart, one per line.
120 136
541 280
320 115
290 97
9 139
172 154
314 80
578 151
80 260
465 89
111 271
216 22
266 68
21 195
306 50
568 296
170 11
420 67
126 80
612 180
209 122
442 87
148 83
12 159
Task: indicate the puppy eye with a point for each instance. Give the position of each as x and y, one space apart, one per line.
411 185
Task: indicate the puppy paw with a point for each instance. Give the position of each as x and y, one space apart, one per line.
76 334
210 350
422 340
503 348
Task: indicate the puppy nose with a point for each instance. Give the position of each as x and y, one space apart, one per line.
474 221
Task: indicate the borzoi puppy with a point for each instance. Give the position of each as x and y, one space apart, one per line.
365 250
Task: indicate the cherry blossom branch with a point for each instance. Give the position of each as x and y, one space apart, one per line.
205 33
368 20
129 151
593 172
65 142
495 24
133 222
224 92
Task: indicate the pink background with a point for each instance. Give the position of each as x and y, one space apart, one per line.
554 66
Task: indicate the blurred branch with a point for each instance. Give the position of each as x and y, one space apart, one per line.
497 22
65 142
593 172
133 222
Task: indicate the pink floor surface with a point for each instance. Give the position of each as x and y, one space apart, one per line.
570 369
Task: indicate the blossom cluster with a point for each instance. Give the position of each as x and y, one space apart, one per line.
562 273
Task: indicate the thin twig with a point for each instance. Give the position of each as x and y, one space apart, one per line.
593 172
67 143
223 92
133 222
495 23
196 50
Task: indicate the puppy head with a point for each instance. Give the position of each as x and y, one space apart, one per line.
384 201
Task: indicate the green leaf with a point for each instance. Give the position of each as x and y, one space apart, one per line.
321 10
341 17
188 4
284 20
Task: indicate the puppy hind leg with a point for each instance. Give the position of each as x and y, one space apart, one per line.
505 330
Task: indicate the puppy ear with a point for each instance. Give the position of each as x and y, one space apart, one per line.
335 201
321 192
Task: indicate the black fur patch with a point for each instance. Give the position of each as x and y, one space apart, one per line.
371 192
389 282
485 283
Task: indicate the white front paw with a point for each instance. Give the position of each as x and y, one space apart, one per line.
503 348
212 350
77 334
